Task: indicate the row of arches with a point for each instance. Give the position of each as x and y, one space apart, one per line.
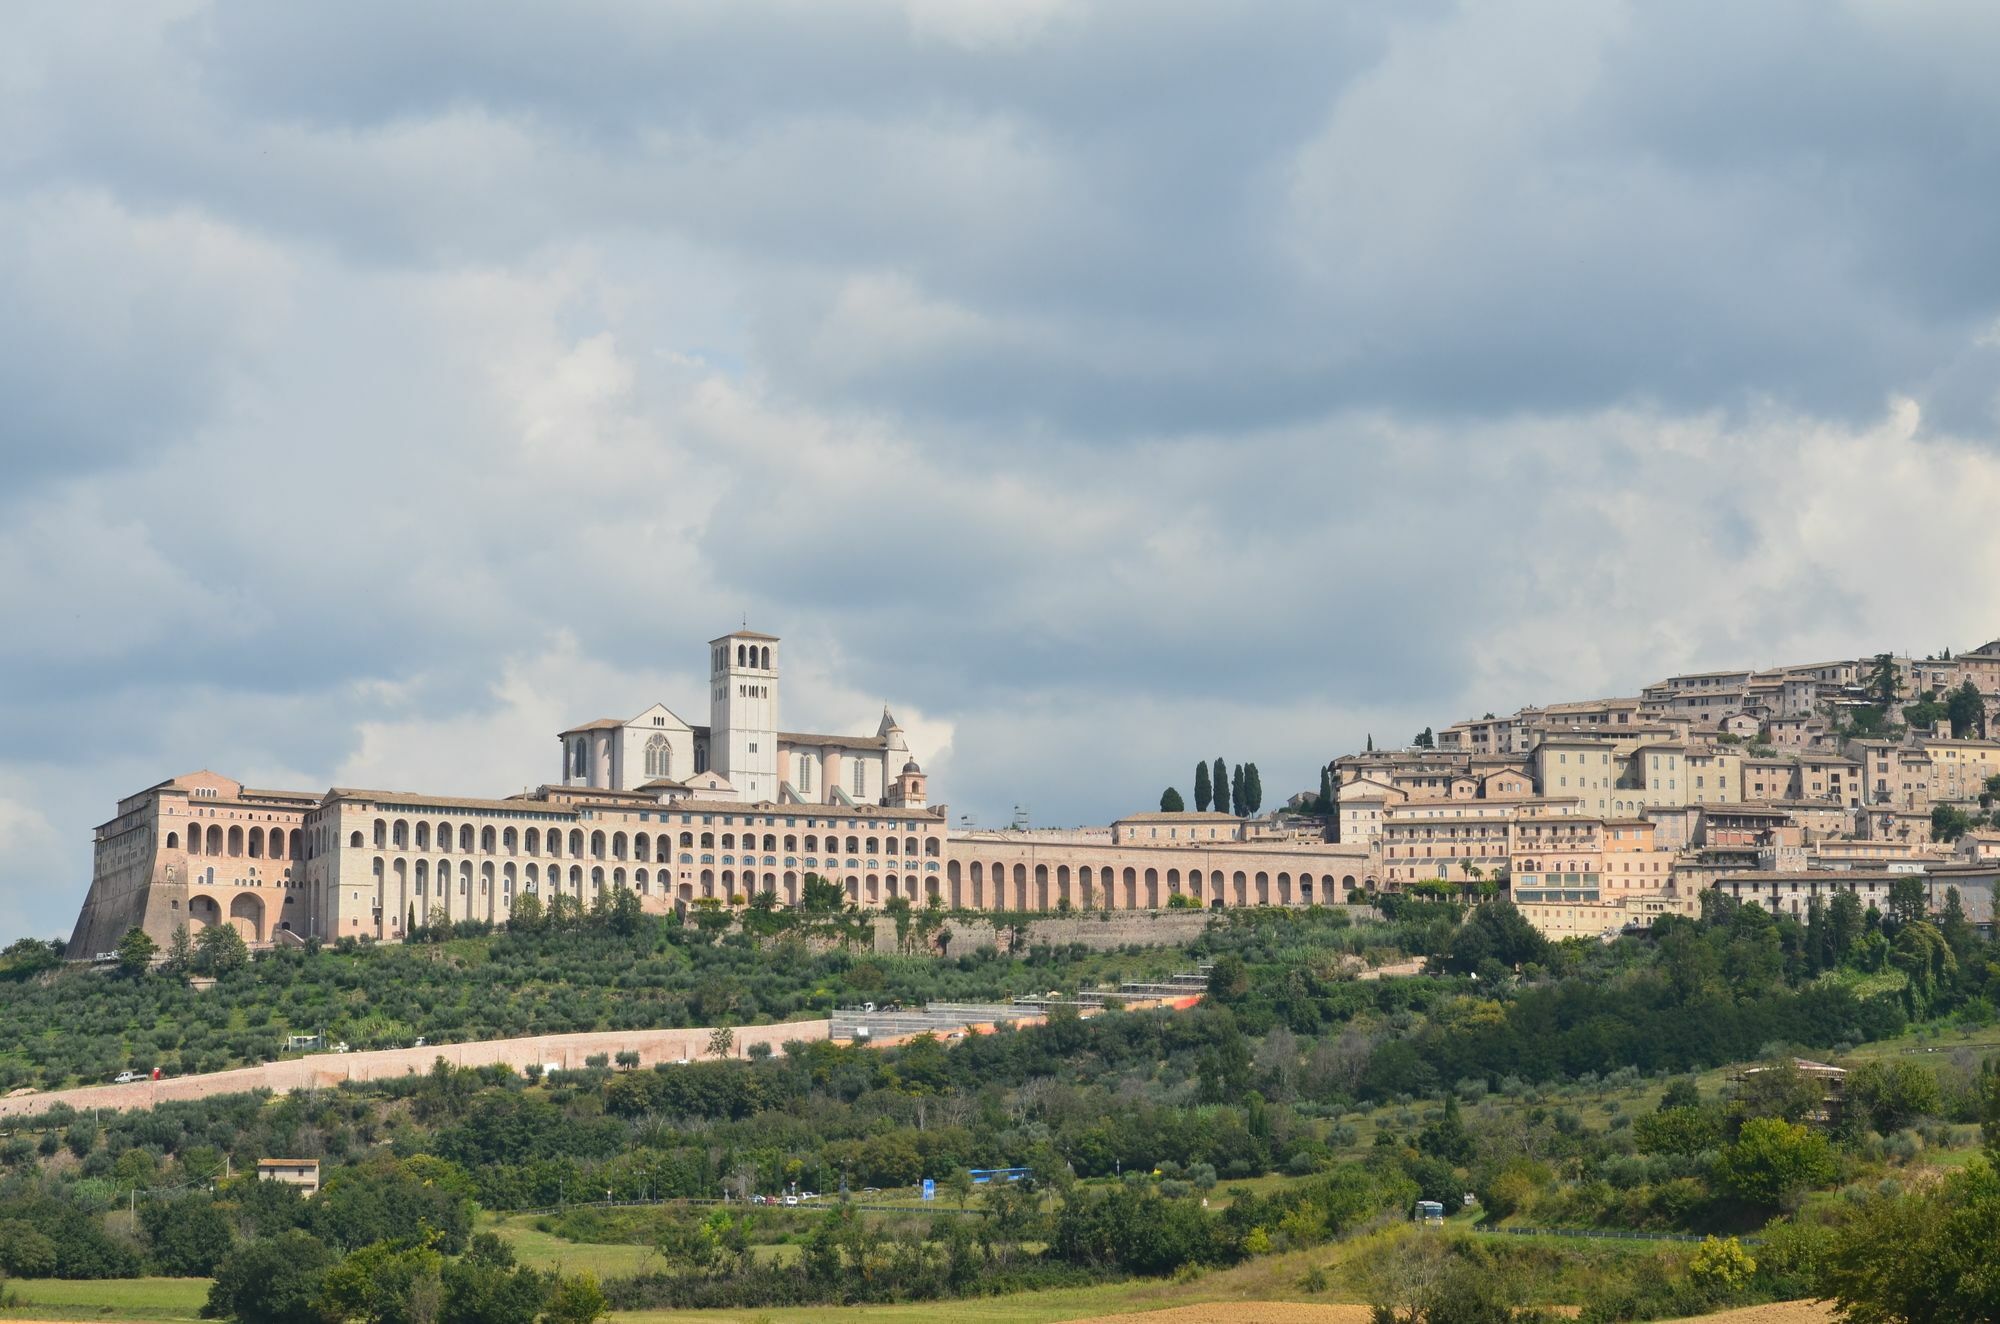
255 843
979 885
402 834
487 893
244 912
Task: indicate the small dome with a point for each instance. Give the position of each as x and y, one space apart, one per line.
911 766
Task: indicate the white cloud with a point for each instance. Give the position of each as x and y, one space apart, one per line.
1102 388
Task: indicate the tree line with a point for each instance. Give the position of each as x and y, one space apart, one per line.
1239 791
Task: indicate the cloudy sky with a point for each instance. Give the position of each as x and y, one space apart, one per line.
1105 386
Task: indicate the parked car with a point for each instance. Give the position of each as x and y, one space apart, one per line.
125 1078
791 1200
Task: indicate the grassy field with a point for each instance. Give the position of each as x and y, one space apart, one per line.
149 1299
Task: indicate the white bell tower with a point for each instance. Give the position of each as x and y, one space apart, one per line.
743 712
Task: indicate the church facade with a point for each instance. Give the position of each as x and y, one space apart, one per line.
742 743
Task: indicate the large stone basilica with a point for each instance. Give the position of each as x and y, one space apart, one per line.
680 815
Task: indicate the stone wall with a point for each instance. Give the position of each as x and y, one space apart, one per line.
1099 931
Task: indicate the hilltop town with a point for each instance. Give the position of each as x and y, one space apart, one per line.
1781 786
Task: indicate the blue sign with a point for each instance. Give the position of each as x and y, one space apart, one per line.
930 1189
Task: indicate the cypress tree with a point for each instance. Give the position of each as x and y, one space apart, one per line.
1325 805
1220 780
1236 788
1253 789
1171 802
1371 742
1202 795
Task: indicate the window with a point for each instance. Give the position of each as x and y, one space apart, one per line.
860 778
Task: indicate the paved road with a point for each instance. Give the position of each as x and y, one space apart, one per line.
323 1070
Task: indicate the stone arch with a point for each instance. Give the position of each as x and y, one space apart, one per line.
1152 888
1131 881
174 841
202 912
235 840
246 915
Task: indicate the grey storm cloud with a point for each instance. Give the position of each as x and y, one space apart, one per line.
1103 385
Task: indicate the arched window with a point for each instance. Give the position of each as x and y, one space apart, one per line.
687 841
576 844
770 841
465 837
740 651
355 840
214 846
235 841
256 843
708 841
174 840
659 757
765 661
444 836
510 841
597 845
729 841
486 839
531 841
853 845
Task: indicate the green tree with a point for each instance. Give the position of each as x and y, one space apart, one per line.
1922 1257
1907 900
25 1251
180 951
28 957
1236 789
526 916
135 952
577 1299
821 896
220 949
1949 822
274 1280
1204 794
1843 924
1721 1268
1884 681
1891 1095
1325 803
1253 790
1220 782
1171 802
1773 1163
1926 960
1966 710
385 1283
187 1238
1424 739
721 1041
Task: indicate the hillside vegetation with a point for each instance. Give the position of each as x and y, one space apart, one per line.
1288 1123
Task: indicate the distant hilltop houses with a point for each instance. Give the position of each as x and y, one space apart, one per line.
1784 787
679 815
